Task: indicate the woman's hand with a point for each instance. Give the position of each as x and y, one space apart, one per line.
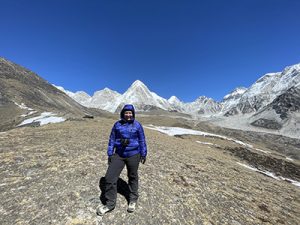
143 159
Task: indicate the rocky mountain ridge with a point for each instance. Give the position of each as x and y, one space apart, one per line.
259 107
24 94
247 106
241 100
267 88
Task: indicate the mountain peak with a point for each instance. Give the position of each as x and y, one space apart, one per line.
106 92
173 100
106 89
138 83
235 93
201 98
137 88
293 67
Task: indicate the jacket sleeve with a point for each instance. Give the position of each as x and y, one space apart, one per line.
112 140
142 141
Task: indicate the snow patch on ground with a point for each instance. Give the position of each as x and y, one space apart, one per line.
172 131
288 158
270 174
28 114
208 143
44 118
23 106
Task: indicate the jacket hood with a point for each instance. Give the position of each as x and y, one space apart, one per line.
127 107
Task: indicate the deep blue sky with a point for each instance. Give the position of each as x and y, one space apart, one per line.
183 48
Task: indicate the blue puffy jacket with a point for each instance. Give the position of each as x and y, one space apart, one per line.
131 130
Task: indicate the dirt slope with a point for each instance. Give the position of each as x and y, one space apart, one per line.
51 175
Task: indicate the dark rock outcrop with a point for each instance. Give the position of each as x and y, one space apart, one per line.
265 123
278 112
287 102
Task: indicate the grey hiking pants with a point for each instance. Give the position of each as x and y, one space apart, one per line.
112 175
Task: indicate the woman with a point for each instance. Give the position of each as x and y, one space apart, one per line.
127 146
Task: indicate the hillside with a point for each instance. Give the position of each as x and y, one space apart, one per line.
24 94
51 175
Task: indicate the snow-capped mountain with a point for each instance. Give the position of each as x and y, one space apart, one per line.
79 96
71 94
174 100
235 94
265 90
139 95
279 111
272 102
203 105
143 99
105 99
176 104
240 101
230 100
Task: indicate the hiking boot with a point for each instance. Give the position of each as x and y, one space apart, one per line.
131 207
102 209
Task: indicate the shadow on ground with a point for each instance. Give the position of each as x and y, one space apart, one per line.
122 188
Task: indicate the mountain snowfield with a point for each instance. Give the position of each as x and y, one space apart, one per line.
143 100
254 108
232 98
267 88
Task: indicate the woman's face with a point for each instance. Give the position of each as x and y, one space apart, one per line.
128 115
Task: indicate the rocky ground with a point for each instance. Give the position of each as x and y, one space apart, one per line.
54 175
